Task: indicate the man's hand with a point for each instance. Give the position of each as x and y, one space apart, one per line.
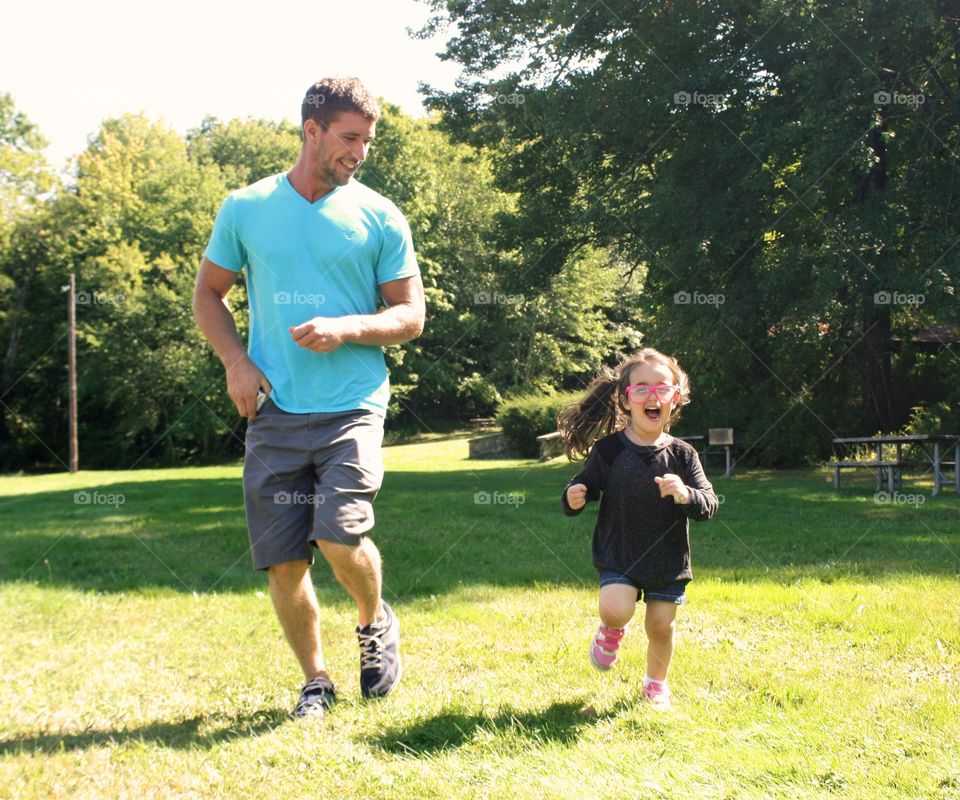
244 380
322 334
577 496
671 486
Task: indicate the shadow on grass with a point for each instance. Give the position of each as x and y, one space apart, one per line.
560 723
439 531
174 735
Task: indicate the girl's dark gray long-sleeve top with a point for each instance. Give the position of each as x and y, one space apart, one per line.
640 534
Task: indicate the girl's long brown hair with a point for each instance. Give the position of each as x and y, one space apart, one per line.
603 409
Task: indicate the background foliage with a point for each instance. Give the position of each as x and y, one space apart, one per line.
766 190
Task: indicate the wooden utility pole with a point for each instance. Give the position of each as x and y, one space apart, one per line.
72 364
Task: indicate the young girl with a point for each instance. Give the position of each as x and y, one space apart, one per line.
649 484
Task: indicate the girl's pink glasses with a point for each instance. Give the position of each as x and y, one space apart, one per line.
640 392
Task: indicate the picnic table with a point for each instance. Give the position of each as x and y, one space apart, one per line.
913 451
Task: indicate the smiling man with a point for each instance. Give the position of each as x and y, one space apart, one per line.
331 278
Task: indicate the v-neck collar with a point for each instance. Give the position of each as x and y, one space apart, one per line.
316 203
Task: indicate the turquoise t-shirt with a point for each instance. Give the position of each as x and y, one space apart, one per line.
306 260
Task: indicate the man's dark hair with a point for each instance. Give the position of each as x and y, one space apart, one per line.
329 96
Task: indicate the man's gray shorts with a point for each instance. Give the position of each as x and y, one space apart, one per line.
308 477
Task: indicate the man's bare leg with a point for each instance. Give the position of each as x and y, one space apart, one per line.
295 601
358 569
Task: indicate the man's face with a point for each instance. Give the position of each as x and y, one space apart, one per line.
338 151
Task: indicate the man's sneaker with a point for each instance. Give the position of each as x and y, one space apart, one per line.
657 695
380 668
315 698
603 648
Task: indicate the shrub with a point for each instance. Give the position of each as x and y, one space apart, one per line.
934 418
477 396
526 417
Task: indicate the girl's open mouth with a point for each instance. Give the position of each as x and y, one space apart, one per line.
652 413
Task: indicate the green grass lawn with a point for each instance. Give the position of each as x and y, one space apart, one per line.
819 654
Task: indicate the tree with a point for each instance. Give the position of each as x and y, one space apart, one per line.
132 228
245 150
490 331
24 172
446 193
24 178
775 171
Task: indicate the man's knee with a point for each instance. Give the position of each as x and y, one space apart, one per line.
288 572
342 555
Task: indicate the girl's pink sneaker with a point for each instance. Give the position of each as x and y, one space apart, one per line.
603 648
657 695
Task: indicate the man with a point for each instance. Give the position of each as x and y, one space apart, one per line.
319 250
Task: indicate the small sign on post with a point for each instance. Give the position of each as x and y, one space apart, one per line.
722 437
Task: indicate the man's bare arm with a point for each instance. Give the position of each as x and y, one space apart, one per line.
216 322
401 321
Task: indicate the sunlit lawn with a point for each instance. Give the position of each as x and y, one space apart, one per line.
819 653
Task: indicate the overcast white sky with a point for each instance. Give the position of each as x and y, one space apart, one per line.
71 65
